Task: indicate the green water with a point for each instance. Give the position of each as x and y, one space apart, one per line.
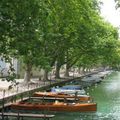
106 95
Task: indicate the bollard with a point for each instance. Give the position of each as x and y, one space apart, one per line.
2 114
18 117
3 105
50 78
21 96
29 94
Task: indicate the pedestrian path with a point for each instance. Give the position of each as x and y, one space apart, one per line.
33 85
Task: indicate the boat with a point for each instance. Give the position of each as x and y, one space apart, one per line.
72 87
69 89
61 95
104 73
56 106
92 79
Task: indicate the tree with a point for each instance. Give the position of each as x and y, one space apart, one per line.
22 19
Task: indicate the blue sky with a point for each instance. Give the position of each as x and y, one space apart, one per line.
109 12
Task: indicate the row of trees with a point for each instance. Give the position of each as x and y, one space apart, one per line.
47 33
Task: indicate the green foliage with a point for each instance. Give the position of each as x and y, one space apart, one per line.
41 32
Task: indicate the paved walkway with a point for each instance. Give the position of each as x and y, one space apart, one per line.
34 84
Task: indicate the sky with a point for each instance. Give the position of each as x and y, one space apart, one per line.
110 13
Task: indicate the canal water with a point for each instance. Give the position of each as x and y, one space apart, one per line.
107 96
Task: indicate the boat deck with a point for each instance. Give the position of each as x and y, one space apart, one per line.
57 98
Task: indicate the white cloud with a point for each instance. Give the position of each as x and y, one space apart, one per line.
109 12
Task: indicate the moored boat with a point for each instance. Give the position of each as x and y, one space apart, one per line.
69 89
56 106
62 95
92 79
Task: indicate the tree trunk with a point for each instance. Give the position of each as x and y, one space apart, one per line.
27 75
57 71
87 70
67 71
79 70
45 75
83 70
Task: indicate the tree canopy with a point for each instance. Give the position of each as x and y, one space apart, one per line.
44 33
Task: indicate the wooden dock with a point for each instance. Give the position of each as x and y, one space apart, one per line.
23 115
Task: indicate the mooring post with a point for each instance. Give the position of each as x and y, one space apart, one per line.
22 118
21 95
50 78
3 105
2 114
64 99
18 117
45 118
29 94
15 98
73 72
7 117
3 98
76 96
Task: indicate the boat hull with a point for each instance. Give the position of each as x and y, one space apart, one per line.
62 95
70 107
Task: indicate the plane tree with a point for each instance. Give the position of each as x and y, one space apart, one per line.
21 20
46 33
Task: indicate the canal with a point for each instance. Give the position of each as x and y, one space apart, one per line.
106 95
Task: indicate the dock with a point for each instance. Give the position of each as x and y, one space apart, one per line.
24 115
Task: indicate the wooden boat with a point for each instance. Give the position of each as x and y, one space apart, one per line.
56 106
61 95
